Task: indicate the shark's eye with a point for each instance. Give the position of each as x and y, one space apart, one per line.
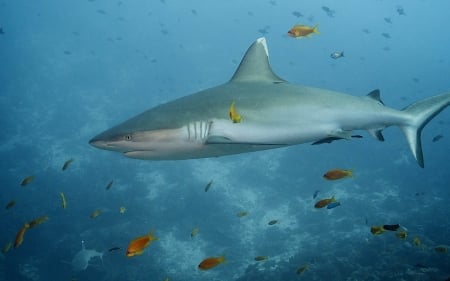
128 137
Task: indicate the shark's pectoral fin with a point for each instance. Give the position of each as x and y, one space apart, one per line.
376 133
211 140
217 140
326 140
340 134
333 136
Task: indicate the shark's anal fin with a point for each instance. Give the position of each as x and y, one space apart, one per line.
376 133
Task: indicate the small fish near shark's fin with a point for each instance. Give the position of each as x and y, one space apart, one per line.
255 65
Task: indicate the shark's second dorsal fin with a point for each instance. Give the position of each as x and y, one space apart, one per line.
255 65
375 95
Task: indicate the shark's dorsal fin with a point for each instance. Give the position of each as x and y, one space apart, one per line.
375 95
255 65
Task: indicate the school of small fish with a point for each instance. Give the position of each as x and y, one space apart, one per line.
20 235
138 245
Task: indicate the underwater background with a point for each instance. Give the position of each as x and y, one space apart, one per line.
71 69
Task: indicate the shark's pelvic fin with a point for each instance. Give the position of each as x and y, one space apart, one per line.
421 113
255 65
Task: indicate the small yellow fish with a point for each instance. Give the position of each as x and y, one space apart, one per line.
241 214
401 234
95 213
234 115
109 185
7 247
122 210
194 232
324 202
302 269
27 180
377 230
66 164
63 200
10 204
441 249
261 258
37 221
416 241
272 222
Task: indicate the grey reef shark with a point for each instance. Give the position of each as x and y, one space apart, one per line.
258 110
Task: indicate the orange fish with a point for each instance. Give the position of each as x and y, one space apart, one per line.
137 246
209 263
337 174
37 221
299 30
324 202
20 234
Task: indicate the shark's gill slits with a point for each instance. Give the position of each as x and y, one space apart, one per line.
198 131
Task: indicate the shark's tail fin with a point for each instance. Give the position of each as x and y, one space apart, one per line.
421 113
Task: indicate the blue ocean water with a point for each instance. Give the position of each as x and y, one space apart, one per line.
71 69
